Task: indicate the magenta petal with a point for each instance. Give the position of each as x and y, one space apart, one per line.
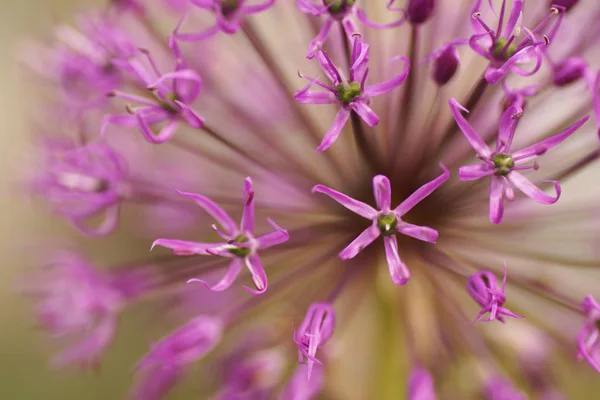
107 226
474 172
472 136
363 240
358 207
422 193
232 272
542 147
308 7
274 238
335 130
249 10
214 210
507 127
247 224
496 203
362 17
423 233
328 67
525 186
182 247
365 112
387 86
382 191
398 270
259 277
165 133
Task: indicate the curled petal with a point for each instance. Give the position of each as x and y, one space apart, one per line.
365 112
358 207
165 133
495 75
384 87
362 17
316 44
197 36
182 75
496 203
259 277
423 233
258 7
190 117
107 226
363 240
214 210
186 248
422 193
335 130
382 191
398 270
532 191
474 172
472 136
232 273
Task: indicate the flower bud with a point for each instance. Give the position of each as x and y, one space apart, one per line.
567 4
419 11
445 65
569 71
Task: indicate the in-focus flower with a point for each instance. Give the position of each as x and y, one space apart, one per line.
230 15
165 364
484 289
240 245
420 385
502 164
316 329
352 94
387 222
588 341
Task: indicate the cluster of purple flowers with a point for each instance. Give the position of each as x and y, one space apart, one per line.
114 80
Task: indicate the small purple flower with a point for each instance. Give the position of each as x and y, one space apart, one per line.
419 11
229 14
571 70
84 182
386 221
240 243
502 48
420 385
77 302
445 61
503 165
351 94
316 329
588 340
300 387
483 288
173 93
165 364
497 388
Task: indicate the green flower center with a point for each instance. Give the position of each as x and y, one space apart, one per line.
499 49
228 7
347 94
337 6
503 163
387 223
240 251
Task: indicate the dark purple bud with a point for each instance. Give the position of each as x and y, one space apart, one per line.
569 71
567 4
445 65
419 11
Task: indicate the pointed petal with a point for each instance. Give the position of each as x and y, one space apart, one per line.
507 127
384 87
358 207
247 224
186 248
474 172
382 191
259 276
496 202
365 112
274 238
398 270
423 233
363 240
532 191
335 130
472 136
214 210
422 193
328 67
232 272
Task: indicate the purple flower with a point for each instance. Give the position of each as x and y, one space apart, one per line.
82 183
316 329
588 340
240 243
77 302
571 70
502 48
300 387
445 61
566 4
351 94
502 165
165 364
483 288
386 221
497 388
420 385
229 14
419 11
172 96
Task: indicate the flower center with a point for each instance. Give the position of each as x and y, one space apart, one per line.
387 223
240 251
339 6
347 94
228 7
501 51
503 163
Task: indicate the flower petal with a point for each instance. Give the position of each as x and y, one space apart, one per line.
533 191
328 67
384 87
507 127
186 248
358 207
422 193
398 270
274 238
382 192
232 273
472 136
214 210
496 201
335 130
247 224
474 172
259 276
365 112
423 233
363 240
